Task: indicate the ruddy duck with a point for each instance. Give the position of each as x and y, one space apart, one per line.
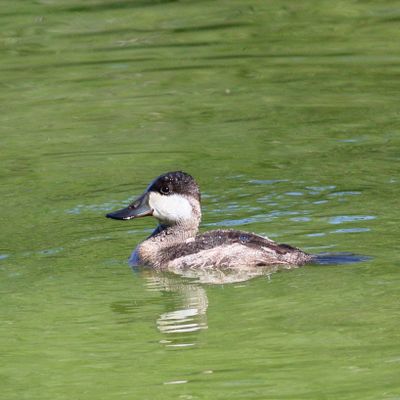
174 199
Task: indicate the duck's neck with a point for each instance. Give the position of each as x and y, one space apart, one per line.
164 236
178 232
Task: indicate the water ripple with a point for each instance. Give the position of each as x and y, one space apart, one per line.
267 181
350 218
344 193
351 230
82 208
253 219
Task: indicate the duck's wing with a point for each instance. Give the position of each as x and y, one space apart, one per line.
230 248
251 240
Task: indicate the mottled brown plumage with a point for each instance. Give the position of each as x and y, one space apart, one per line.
218 247
174 199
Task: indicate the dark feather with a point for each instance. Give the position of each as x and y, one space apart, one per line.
216 238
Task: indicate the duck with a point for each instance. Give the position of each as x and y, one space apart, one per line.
174 200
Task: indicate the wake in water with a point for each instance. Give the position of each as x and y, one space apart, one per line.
211 275
338 258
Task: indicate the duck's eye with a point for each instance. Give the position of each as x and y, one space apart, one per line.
164 189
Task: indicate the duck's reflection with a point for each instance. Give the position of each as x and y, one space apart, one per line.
190 313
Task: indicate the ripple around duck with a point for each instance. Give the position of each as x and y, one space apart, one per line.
339 258
50 252
294 193
351 230
253 219
301 219
83 208
267 181
345 193
340 219
320 189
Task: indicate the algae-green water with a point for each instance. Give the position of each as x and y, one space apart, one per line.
286 113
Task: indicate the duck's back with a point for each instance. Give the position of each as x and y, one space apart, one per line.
230 248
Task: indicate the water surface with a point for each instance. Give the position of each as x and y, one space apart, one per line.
287 115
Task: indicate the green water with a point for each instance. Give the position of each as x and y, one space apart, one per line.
286 112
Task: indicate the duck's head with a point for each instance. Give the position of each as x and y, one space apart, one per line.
173 198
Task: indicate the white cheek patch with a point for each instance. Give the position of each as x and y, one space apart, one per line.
170 208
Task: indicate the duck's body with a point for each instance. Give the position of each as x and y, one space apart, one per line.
174 199
219 248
